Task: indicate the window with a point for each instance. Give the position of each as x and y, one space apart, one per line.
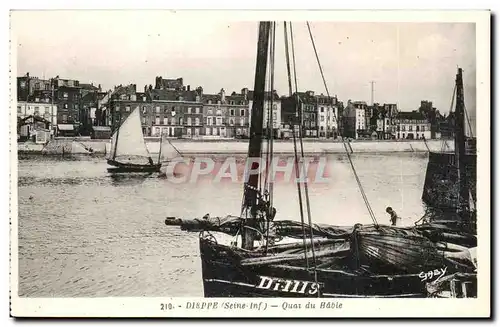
19 109
173 121
210 111
213 121
418 129
197 110
64 118
144 120
208 131
189 121
231 112
219 121
144 109
209 121
76 106
165 121
197 121
322 109
209 102
157 130
157 122
403 135
410 128
403 128
423 129
231 121
322 118
65 106
242 121
189 110
181 121
65 95
158 109
37 111
219 112
242 112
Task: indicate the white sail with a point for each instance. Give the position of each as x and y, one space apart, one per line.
168 151
127 143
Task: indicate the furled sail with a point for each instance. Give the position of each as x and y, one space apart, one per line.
127 142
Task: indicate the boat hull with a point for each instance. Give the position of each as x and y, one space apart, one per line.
224 276
441 180
132 168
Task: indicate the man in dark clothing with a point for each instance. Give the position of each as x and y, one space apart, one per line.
394 215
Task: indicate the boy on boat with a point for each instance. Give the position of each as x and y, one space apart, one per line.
394 215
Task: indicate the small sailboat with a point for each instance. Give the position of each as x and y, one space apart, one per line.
129 153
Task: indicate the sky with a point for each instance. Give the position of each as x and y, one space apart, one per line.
409 62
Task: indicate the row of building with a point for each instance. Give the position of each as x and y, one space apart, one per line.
68 107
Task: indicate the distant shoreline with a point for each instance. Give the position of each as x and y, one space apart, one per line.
72 146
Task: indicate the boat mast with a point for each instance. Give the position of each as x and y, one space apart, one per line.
460 156
161 140
118 129
255 143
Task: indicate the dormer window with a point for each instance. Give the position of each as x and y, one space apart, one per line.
209 102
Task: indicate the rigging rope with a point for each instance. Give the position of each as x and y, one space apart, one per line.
270 131
306 190
360 186
299 191
444 145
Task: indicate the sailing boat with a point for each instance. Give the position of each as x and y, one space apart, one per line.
129 152
450 187
328 261
450 181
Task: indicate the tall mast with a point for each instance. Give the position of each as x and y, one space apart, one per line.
256 128
118 130
463 206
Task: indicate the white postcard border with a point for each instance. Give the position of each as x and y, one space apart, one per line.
369 307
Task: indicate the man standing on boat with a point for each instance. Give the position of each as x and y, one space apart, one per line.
394 215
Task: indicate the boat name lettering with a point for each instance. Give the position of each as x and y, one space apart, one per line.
287 285
432 273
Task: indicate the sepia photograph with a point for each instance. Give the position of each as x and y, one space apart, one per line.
253 164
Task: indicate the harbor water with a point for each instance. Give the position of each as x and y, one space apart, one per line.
85 233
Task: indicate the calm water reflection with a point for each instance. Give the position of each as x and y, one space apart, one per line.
84 233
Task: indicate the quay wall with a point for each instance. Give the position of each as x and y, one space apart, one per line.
193 147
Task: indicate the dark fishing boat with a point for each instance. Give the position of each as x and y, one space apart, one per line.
325 261
450 181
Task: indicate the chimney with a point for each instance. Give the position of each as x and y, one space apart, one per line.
145 88
189 87
184 88
222 96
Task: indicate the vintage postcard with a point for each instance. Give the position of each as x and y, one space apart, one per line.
250 164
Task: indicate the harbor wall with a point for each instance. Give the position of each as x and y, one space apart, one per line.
190 147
